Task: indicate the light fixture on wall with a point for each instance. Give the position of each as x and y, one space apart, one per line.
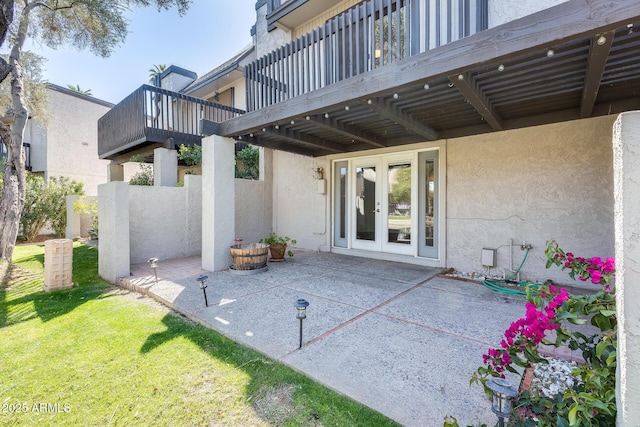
318 173
216 96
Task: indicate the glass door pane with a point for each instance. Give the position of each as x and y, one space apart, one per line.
428 204
340 204
366 205
399 204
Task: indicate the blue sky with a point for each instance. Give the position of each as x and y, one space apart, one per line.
211 32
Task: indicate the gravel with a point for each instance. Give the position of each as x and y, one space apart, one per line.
553 378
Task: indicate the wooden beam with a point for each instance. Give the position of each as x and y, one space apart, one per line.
403 119
468 87
568 21
299 138
208 127
263 142
347 130
598 55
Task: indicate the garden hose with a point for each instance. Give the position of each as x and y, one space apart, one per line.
494 284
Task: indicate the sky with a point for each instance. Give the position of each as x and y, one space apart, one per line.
210 33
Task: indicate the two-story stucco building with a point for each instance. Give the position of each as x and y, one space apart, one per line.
67 144
421 131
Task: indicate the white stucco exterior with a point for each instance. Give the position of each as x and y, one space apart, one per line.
265 40
626 149
502 11
254 203
172 228
141 222
532 184
67 145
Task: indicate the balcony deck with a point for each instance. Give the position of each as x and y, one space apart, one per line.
151 117
575 60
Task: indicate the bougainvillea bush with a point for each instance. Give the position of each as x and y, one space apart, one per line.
591 399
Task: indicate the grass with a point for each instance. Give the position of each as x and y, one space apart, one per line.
97 355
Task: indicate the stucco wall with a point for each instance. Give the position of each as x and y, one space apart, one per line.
72 141
626 149
172 228
299 211
533 184
267 41
254 203
501 11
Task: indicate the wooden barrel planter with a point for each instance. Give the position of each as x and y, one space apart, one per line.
249 258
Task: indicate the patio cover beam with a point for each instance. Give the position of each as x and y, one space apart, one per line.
468 87
403 119
347 130
263 142
598 55
571 20
298 138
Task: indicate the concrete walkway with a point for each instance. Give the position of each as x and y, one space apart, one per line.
392 336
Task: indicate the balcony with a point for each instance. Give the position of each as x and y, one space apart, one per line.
370 35
151 117
571 61
292 13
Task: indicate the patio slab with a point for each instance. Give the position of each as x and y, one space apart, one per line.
393 336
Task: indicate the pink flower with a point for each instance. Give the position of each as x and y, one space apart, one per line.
609 265
596 276
552 289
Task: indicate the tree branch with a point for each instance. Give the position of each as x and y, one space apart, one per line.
56 8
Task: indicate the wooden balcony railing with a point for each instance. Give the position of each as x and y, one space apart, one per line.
367 36
152 114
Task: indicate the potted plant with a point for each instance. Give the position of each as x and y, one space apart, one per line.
278 246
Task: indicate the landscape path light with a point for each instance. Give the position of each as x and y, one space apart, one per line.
301 305
153 262
502 395
202 281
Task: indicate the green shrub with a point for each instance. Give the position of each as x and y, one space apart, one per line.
248 163
46 202
91 209
145 176
58 188
191 155
34 215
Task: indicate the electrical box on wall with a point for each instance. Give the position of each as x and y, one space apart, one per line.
489 257
322 186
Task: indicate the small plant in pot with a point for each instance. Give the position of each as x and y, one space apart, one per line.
278 246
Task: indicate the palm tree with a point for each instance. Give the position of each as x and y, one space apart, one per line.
156 70
76 88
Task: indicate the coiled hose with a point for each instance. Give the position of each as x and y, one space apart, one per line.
495 284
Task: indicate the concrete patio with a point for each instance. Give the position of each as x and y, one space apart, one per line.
395 337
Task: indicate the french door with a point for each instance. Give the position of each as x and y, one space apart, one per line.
387 204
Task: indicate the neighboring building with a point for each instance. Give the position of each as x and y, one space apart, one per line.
67 145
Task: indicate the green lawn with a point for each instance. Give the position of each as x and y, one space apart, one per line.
97 356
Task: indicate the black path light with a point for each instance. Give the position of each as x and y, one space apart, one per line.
153 262
301 305
202 281
502 395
